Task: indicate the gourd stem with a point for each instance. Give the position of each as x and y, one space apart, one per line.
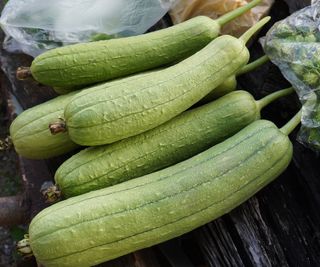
274 96
24 248
253 65
23 73
237 12
51 194
6 144
58 126
293 123
250 32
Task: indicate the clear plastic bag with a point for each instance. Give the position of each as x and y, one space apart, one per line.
34 26
293 44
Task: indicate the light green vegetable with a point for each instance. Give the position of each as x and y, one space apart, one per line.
102 225
180 138
227 86
30 134
93 62
101 115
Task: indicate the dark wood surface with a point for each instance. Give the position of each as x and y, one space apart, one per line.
280 226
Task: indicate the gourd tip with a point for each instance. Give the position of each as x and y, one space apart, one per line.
23 73
51 194
236 12
24 248
274 96
245 37
58 126
6 144
292 124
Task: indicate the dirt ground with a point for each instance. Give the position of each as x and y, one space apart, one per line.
9 185
7 245
9 176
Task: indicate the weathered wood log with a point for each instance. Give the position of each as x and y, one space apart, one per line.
280 225
14 210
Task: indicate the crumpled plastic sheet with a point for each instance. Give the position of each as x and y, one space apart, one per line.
34 26
293 44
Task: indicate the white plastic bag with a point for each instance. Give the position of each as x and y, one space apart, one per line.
34 26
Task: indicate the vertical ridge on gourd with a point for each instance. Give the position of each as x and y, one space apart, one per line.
143 212
93 62
99 116
178 139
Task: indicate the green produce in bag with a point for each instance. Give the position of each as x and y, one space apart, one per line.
293 45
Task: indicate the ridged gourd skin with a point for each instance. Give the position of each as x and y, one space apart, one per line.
93 62
104 224
99 116
30 133
178 139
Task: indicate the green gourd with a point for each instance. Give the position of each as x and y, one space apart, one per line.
104 224
93 62
227 86
30 134
101 115
178 139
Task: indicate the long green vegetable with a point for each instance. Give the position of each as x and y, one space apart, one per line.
94 62
180 138
102 225
30 135
101 115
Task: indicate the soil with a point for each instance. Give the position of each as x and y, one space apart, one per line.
10 181
7 248
10 184
9 175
